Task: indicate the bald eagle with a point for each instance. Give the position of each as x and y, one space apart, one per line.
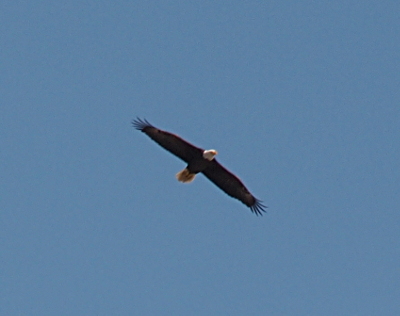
200 160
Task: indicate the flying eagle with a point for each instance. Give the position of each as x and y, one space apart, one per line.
200 160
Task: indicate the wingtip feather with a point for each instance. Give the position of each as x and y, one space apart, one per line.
140 124
257 208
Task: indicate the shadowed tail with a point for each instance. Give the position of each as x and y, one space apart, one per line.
185 176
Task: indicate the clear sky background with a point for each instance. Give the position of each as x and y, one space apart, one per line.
300 98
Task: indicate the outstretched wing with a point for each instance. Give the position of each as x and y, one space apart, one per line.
232 186
174 144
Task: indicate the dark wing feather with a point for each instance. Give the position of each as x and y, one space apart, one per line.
232 186
169 141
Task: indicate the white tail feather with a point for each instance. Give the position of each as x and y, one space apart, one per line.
185 176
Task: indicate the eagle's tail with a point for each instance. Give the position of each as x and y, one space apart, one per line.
185 176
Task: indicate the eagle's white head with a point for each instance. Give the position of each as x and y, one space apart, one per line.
209 154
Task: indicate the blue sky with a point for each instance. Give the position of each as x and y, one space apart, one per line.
302 102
